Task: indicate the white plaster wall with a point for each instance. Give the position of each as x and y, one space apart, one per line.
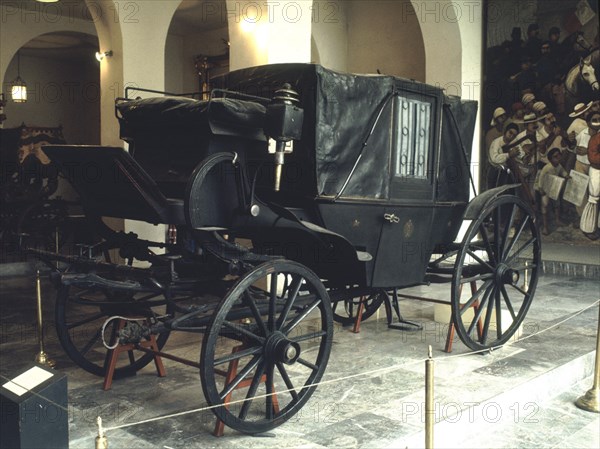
60 92
385 35
268 32
144 31
470 24
441 37
330 34
175 66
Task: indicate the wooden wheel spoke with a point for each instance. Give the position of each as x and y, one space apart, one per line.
308 364
239 330
479 277
270 412
292 324
252 391
498 315
334 306
293 294
517 253
507 302
524 267
479 310
85 320
286 378
311 336
237 355
487 244
507 227
466 306
516 237
520 290
240 376
488 317
497 242
255 312
350 307
480 260
91 342
272 302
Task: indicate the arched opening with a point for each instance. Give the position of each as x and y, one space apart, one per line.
394 47
63 85
345 39
197 46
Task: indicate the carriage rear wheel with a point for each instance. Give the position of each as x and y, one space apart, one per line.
266 347
499 260
80 315
345 311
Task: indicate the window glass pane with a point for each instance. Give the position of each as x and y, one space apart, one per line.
411 146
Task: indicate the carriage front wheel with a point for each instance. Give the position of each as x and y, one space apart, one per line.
499 262
266 346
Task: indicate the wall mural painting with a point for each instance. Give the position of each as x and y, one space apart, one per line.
541 110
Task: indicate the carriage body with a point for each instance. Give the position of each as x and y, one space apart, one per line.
372 147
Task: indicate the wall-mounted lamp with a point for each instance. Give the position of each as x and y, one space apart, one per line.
101 55
19 88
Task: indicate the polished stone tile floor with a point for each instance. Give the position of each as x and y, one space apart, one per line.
372 395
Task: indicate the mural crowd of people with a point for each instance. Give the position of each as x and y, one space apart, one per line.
545 127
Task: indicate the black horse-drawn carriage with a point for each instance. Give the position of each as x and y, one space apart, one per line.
288 194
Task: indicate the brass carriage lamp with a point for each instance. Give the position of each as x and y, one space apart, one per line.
19 88
283 123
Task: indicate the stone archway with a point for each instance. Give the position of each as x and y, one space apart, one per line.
60 73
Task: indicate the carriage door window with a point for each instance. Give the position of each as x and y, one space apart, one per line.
413 125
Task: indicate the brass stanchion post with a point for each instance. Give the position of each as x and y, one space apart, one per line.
429 405
41 358
590 401
101 440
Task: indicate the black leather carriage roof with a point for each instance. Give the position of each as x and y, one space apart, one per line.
340 109
222 116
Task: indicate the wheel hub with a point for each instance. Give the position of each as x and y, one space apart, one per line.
507 275
279 348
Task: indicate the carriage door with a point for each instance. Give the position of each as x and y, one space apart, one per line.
404 246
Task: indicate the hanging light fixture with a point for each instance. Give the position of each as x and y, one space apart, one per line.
19 88
47 1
